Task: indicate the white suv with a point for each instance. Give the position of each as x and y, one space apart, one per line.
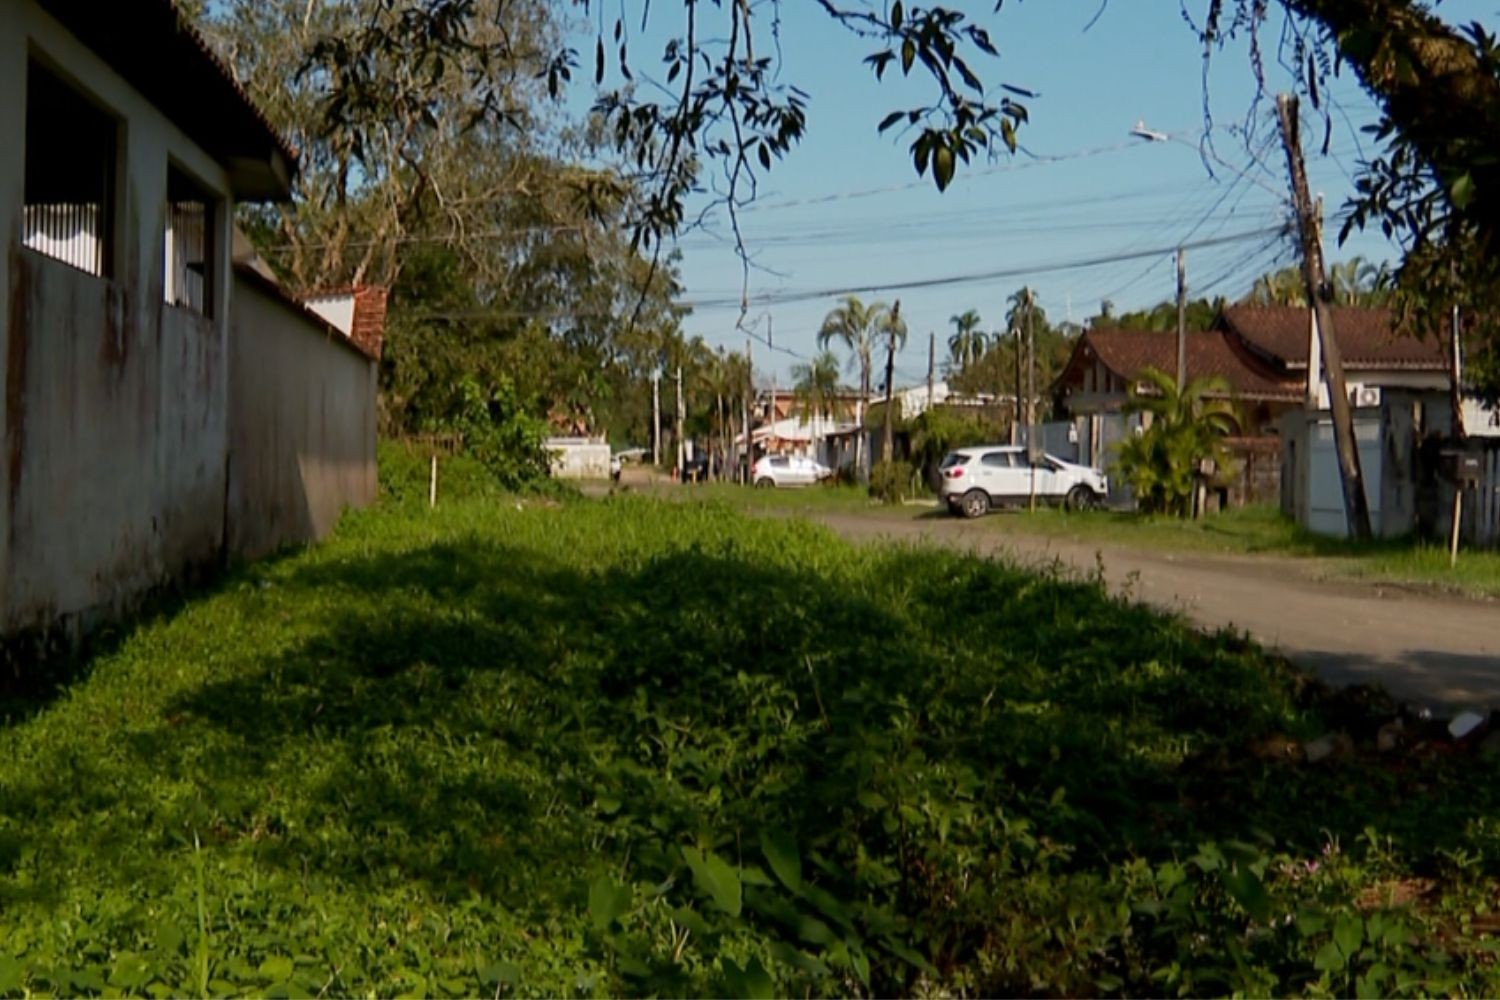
788 470
976 479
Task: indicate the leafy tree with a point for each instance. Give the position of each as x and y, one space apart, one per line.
967 342
1185 426
1201 315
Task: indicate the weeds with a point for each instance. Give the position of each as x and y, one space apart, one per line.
635 747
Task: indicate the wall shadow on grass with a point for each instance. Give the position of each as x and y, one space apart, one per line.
482 719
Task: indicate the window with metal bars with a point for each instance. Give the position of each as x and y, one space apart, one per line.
71 149
189 274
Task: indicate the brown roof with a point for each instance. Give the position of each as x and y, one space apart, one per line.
154 47
1366 337
1127 353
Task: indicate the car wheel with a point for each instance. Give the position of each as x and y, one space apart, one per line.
1081 498
976 503
765 483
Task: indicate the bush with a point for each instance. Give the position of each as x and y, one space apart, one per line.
502 436
405 472
893 482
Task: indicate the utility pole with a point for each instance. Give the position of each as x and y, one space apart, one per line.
1032 452
1015 416
1314 341
1356 508
1181 319
890 381
749 451
931 363
681 423
656 418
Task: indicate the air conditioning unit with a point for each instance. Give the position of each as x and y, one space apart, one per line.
1365 395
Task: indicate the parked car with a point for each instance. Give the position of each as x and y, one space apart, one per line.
788 470
976 479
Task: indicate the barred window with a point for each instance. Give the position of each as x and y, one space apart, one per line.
71 153
190 244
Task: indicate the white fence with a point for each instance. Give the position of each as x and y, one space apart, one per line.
73 234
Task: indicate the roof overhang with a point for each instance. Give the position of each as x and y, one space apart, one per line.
151 45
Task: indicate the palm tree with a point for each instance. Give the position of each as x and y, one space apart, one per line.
1285 287
967 342
817 391
1187 425
891 329
855 325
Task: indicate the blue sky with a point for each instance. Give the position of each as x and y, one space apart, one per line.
845 209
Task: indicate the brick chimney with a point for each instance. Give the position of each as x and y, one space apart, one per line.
368 328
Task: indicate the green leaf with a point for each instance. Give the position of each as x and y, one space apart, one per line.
753 981
1348 933
1245 888
1462 191
1329 958
11 974
908 55
131 972
277 969
942 166
500 974
715 878
897 16
780 849
608 901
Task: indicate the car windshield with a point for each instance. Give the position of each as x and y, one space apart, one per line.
956 458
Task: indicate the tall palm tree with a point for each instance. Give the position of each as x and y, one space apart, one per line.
816 388
855 325
967 343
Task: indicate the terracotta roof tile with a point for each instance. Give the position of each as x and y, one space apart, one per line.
1127 353
1366 337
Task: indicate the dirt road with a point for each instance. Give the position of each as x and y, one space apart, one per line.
1431 650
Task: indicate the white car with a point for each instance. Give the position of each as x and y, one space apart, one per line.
788 470
979 478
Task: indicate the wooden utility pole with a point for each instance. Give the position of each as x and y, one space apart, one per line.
1314 396
931 363
1181 319
1356 509
1015 417
749 451
656 418
1455 374
890 382
1032 452
681 423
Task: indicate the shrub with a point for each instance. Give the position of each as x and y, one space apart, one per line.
501 435
893 482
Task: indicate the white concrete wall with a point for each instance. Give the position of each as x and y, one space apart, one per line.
575 458
336 309
301 424
114 418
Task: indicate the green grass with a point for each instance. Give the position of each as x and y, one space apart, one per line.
1264 531
809 499
640 747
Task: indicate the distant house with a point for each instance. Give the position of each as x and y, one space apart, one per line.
167 406
1262 353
